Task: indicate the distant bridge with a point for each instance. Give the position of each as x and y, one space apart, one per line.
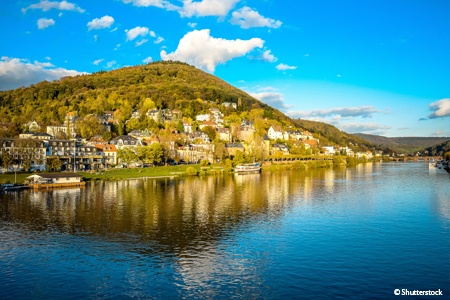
414 158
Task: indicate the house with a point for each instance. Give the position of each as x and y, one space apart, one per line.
306 135
167 114
55 180
155 115
206 124
109 153
280 149
61 147
275 132
135 114
196 153
187 127
203 117
108 115
125 141
96 140
246 131
295 134
224 134
366 154
176 114
311 143
329 150
230 104
232 148
198 135
35 135
24 152
33 126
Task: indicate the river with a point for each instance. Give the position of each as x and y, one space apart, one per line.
355 233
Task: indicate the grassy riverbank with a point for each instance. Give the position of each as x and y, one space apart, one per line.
181 170
166 171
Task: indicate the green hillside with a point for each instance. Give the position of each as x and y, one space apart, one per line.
172 85
439 149
406 145
169 84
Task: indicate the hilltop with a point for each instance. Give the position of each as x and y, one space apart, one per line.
167 85
406 145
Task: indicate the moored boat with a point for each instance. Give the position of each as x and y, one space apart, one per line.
10 187
248 168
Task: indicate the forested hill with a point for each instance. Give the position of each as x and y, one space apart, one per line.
406 145
172 85
439 149
169 85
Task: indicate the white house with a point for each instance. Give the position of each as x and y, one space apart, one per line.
204 117
275 132
61 178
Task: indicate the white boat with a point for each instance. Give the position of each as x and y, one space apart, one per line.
248 168
436 165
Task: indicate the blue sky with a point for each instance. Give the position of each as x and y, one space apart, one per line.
378 67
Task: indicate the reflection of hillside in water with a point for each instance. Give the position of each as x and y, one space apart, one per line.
174 213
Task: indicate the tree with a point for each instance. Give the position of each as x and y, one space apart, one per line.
156 153
107 136
239 158
220 151
210 132
7 160
53 163
126 155
89 126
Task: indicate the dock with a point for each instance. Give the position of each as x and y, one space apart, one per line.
41 186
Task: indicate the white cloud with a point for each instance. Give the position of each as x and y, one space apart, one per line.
249 18
219 8
284 67
148 60
206 52
343 112
46 5
103 22
48 58
139 43
97 61
16 72
159 40
111 64
273 99
152 33
135 32
147 3
43 23
356 127
192 25
441 109
266 56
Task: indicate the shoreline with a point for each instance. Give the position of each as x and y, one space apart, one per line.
182 170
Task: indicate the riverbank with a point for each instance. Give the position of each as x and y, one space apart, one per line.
184 170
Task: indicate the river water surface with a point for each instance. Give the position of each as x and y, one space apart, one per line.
355 233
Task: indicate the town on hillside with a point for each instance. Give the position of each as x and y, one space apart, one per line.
156 137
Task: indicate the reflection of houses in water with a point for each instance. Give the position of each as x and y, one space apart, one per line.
171 213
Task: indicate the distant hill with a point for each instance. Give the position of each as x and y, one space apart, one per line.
406 145
172 85
439 149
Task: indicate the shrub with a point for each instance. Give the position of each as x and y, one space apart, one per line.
191 171
204 163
